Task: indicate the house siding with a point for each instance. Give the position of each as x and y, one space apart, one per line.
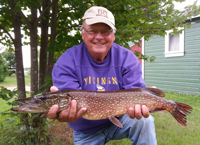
179 74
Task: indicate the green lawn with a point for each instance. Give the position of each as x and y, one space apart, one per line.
11 81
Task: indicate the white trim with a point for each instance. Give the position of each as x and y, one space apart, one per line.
143 59
181 51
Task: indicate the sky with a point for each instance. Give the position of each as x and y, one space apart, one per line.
26 49
186 3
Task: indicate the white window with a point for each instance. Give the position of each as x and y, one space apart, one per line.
174 44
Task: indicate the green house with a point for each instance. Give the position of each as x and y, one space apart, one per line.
177 64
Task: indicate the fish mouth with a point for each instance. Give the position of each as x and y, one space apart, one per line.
28 109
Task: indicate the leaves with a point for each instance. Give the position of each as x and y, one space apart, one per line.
145 57
6 94
3 68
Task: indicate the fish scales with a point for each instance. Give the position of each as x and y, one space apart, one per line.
106 104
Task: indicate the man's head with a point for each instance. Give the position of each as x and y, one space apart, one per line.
98 32
97 14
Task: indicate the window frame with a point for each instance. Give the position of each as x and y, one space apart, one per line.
181 51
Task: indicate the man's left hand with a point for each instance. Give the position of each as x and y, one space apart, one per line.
138 111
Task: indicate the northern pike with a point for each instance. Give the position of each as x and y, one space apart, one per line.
105 104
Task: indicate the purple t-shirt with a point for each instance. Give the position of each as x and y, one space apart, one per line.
75 69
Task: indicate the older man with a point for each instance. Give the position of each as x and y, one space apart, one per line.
99 64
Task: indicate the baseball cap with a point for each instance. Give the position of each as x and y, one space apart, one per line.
97 14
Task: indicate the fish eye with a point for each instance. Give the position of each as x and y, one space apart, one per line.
40 96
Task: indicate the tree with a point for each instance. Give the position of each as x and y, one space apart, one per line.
60 21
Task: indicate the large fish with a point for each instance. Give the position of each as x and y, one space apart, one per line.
106 104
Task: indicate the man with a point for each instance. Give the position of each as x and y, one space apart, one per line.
99 64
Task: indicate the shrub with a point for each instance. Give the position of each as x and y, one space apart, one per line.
3 69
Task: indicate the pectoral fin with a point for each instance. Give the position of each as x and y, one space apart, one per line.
57 115
115 121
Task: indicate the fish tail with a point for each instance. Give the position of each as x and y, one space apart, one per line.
180 112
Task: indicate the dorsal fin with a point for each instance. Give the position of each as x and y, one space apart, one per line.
154 91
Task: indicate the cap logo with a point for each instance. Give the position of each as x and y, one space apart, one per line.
102 13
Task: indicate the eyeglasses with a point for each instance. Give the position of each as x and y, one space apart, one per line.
94 32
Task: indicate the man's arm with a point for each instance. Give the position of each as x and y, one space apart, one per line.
64 77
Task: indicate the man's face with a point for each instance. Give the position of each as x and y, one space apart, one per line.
98 45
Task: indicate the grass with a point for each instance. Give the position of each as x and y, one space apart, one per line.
11 81
168 130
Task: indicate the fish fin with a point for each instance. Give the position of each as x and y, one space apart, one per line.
115 121
45 114
57 115
154 91
157 110
180 112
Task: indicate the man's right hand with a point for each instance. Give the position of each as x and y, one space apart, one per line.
71 114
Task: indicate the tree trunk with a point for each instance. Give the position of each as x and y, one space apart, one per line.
44 45
36 122
34 51
18 58
52 39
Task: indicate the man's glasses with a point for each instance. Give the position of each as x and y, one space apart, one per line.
94 32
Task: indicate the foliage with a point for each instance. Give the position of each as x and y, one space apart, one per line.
134 19
145 57
3 69
19 133
14 132
6 94
9 56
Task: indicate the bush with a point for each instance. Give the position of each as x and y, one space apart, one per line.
3 69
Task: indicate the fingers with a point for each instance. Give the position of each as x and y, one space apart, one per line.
53 89
53 112
138 111
80 112
131 113
71 114
145 111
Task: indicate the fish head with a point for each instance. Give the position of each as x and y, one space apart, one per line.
36 104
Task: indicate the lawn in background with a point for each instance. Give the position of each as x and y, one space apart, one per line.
11 81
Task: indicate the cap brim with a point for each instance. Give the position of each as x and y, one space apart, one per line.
91 21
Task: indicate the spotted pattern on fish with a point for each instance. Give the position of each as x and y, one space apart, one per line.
105 104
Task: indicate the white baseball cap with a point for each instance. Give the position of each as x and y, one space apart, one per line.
97 14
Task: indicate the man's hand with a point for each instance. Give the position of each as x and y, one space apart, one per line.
138 111
71 114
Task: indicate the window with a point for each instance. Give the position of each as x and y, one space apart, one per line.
174 44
